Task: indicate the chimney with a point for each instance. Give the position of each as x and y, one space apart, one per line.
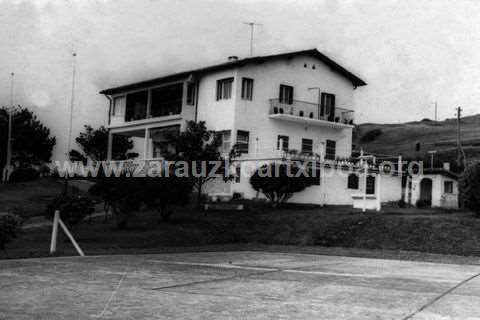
446 166
232 58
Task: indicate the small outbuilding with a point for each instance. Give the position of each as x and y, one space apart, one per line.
433 188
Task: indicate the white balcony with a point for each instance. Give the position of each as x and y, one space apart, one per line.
310 113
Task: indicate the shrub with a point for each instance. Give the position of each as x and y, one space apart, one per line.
44 170
401 203
73 208
237 196
126 195
24 175
422 203
9 227
470 187
279 181
371 135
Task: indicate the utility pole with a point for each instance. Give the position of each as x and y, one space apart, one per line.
461 158
436 112
69 136
252 27
8 163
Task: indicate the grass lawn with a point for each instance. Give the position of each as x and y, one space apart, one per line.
28 199
395 233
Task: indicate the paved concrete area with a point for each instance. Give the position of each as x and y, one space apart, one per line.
236 285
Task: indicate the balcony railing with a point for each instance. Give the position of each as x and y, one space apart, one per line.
311 110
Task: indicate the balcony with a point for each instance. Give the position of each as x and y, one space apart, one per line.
153 104
310 113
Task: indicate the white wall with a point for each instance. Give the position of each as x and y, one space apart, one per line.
253 116
439 197
333 188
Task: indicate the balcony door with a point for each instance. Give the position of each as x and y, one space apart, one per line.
327 106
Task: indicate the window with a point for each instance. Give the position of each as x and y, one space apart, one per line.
327 106
247 89
226 137
286 94
307 146
448 186
190 93
166 100
242 141
118 108
282 143
224 88
370 185
136 107
238 173
330 150
352 181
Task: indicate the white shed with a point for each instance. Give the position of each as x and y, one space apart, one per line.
435 188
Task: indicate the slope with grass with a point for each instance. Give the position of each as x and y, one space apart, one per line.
428 231
394 139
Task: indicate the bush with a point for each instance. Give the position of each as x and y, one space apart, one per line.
24 175
279 181
401 203
9 227
470 187
371 135
237 196
423 203
73 208
126 195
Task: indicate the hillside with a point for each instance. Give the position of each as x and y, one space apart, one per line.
394 139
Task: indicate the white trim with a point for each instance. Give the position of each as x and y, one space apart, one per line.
309 121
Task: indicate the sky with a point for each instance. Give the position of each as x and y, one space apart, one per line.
410 52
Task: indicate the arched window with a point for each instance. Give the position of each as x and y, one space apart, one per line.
352 181
370 185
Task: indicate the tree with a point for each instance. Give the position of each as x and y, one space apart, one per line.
470 187
31 141
124 195
199 148
94 144
279 181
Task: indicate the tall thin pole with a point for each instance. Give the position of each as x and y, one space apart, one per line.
461 152
252 27
72 101
436 113
8 162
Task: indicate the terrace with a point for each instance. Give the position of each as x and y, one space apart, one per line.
311 113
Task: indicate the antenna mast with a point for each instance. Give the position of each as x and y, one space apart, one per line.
252 27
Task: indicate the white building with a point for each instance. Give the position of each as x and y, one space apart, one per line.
434 188
297 104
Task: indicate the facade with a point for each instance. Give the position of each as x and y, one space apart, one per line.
434 188
293 105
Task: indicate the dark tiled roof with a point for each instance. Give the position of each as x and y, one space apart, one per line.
356 81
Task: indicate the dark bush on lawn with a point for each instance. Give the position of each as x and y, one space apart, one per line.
9 226
123 196
24 175
470 187
421 203
73 208
279 181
